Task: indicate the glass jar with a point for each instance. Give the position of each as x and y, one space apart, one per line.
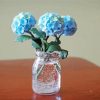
46 73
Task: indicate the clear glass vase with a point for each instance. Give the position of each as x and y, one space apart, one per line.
46 73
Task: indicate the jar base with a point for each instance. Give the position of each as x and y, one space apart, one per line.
52 93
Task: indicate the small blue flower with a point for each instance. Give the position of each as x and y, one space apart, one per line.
23 22
69 26
50 23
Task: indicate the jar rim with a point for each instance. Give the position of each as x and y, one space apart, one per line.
54 54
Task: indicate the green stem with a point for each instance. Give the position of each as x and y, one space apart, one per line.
31 35
60 35
47 38
57 39
43 46
39 71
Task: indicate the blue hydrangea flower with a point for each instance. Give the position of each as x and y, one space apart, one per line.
69 26
50 23
23 23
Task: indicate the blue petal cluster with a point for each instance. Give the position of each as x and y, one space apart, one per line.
50 23
23 23
54 24
69 26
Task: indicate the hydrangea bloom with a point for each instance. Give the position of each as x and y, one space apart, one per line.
69 26
50 23
23 22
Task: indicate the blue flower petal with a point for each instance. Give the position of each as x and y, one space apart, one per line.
23 22
20 30
50 23
69 26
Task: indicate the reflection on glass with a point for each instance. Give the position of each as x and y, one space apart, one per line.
46 97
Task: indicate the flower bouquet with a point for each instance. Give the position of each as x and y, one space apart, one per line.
46 68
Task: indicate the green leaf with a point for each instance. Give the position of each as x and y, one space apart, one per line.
53 46
37 34
43 34
35 44
63 54
53 43
23 38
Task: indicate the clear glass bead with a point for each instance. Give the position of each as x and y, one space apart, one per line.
46 73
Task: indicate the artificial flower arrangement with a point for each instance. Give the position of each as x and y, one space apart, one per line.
49 24
46 70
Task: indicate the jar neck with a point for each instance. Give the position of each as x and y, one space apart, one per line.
46 55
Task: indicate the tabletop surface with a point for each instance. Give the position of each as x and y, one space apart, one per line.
80 80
